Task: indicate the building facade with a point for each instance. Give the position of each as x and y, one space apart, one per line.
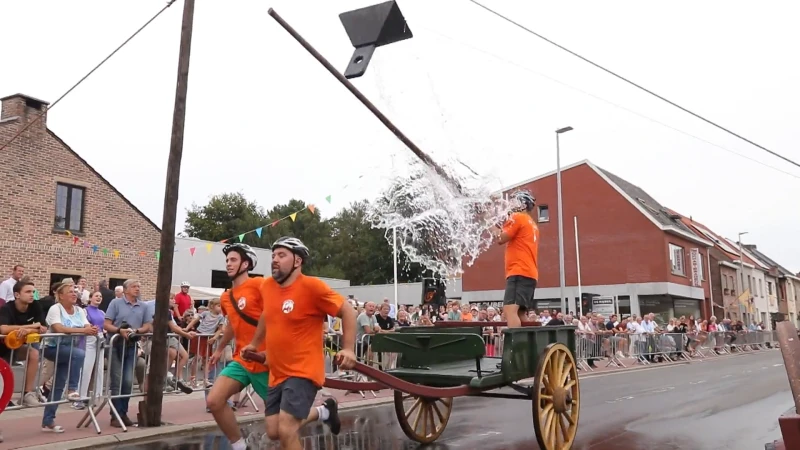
61 218
633 252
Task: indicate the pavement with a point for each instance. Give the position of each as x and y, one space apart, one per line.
729 402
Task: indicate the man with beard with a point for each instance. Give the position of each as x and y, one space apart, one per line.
295 307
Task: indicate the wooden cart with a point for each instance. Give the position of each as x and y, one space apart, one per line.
435 365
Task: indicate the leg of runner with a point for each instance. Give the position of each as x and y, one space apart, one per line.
286 408
217 404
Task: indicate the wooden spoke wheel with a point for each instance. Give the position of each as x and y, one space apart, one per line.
422 419
556 398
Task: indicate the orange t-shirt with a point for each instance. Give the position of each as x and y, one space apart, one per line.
523 249
248 298
293 315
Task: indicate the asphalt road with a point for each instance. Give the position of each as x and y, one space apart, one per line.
729 403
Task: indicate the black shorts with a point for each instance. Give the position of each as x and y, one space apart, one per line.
519 291
294 395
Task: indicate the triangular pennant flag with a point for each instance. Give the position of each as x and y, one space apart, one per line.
293 216
258 231
191 250
208 248
311 208
86 244
274 224
328 198
68 233
105 251
75 240
95 249
223 241
116 253
142 253
241 237
158 255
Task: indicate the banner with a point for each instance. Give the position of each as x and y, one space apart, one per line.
697 276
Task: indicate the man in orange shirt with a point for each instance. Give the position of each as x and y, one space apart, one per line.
521 236
242 305
294 307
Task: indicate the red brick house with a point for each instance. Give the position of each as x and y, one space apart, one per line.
632 249
60 216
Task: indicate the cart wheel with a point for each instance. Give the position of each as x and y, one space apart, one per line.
556 398
422 419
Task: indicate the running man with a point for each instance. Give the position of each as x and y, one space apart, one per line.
521 237
295 306
242 305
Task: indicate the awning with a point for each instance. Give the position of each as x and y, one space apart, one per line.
200 293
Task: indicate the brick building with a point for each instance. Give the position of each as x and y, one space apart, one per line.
632 250
60 217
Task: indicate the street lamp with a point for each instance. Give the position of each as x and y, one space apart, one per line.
740 276
562 277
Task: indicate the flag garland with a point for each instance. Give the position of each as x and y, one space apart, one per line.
116 253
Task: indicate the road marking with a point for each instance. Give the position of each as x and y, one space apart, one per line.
665 389
697 382
727 376
620 399
777 365
457 442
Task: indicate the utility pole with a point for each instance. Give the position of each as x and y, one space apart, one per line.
150 409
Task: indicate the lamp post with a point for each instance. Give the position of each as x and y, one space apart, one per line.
740 277
562 277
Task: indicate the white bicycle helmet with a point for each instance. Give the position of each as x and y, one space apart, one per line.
526 199
245 251
294 245
185 284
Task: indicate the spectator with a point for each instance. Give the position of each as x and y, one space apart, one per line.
83 293
367 323
402 319
7 286
466 313
23 316
65 317
558 320
455 312
129 311
107 294
545 317
384 320
182 299
208 323
93 366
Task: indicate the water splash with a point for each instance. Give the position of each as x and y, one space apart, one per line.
440 227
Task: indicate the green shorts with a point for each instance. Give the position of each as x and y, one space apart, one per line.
259 381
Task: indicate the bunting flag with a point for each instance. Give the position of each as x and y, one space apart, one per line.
310 208
241 237
75 240
328 199
208 247
158 255
191 250
116 253
258 231
95 248
105 252
293 216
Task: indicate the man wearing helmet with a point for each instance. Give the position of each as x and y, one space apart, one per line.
295 308
242 305
521 237
183 301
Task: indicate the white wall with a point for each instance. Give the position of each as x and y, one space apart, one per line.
407 293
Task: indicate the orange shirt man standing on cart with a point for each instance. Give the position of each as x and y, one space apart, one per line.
521 237
295 306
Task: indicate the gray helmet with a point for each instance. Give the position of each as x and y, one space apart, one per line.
245 251
526 199
294 245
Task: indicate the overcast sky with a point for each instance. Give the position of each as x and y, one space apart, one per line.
265 119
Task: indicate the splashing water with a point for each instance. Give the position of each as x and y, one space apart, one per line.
439 227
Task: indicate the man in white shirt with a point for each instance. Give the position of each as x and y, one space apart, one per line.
7 286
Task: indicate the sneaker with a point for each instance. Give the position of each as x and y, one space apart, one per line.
44 392
78 405
30 399
333 422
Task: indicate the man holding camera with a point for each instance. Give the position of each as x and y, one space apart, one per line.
128 317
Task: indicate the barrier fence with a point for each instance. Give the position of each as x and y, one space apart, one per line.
93 373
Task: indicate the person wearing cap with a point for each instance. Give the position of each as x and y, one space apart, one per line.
182 299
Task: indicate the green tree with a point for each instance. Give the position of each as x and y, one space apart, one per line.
225 216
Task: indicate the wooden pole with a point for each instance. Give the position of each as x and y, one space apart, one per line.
150 409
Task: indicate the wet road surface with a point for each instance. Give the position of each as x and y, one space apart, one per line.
729 403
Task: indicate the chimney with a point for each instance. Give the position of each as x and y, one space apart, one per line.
24 109
750 246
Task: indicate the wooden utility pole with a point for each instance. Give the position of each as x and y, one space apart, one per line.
150 409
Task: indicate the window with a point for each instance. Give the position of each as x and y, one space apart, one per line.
676 258
56 278
750 286
544 213
114 282
769 287
760 289
69 207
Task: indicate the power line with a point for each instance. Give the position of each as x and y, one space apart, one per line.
44 113
522 27
596 97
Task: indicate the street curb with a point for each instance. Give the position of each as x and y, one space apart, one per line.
169 431
669 364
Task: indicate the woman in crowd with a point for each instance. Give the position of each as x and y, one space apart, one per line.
65 317
93 366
